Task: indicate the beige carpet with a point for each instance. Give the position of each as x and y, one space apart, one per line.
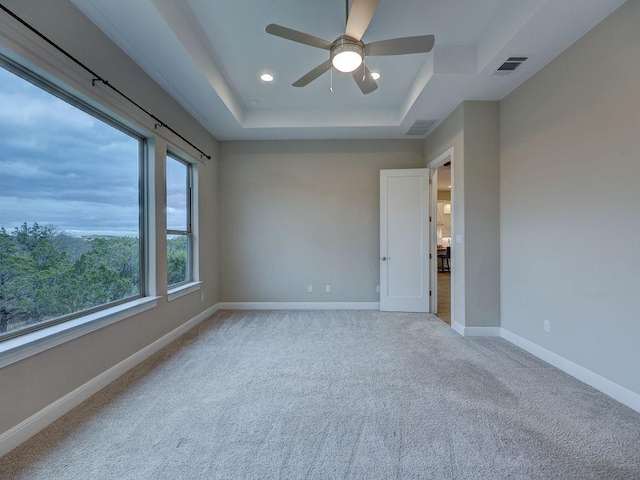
337 395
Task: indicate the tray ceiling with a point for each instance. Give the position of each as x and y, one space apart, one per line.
209 55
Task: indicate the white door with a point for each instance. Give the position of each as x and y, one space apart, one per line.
404 240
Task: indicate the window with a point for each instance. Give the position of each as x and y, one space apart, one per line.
71 206
179 225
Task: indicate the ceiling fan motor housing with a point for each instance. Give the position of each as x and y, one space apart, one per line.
349 53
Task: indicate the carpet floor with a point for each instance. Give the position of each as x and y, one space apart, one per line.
337 395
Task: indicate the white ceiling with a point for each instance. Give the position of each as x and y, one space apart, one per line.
209 54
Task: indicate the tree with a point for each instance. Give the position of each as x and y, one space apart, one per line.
16 273
176 259
39 280
46 273
120 254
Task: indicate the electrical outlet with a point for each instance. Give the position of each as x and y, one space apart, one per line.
547 326
327 288
309 289
378 289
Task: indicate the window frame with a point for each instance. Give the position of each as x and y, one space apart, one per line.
175 289
143 209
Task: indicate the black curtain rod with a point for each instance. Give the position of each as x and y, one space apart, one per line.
98 78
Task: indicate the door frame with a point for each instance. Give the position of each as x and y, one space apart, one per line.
439 161
433 239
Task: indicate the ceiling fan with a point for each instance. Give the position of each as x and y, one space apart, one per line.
347 52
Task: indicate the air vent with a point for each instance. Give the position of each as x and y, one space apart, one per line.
511 64
420 127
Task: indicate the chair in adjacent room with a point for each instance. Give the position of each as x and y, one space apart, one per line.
443 260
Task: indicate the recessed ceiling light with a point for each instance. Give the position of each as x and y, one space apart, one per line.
266 77
375 75
253 102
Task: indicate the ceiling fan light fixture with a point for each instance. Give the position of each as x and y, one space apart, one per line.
347 54
375 75
347 61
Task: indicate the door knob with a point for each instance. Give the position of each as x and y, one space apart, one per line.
384 259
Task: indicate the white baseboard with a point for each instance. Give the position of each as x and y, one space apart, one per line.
622 394
299 305
482 331
36 422
458 328
476 331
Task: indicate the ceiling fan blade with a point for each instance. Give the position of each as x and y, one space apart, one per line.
296 36
360 17
366 84
313 74
401 46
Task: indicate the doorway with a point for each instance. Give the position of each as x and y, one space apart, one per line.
443 242
442 228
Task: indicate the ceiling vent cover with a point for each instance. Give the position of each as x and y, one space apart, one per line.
511 64
420 127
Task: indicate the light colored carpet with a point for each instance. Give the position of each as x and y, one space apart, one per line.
337 395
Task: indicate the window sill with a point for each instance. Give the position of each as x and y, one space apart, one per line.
183 290
24 346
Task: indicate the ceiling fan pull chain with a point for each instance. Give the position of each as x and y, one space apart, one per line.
331 81
364 68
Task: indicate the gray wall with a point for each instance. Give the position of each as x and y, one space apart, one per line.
473 131
482 213
31 384
570 202
298 213
450 133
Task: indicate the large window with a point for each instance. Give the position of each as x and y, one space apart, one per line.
179 225
70 207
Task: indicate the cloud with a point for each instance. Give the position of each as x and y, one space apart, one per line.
63 167
176 195
22 109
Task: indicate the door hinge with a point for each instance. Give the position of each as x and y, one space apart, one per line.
430 257
429 292
430 182
429 218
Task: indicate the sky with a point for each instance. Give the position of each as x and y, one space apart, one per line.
62 167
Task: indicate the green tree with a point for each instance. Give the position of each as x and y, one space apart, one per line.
176 259
50 279
94 283
16 276
120 254
46 274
